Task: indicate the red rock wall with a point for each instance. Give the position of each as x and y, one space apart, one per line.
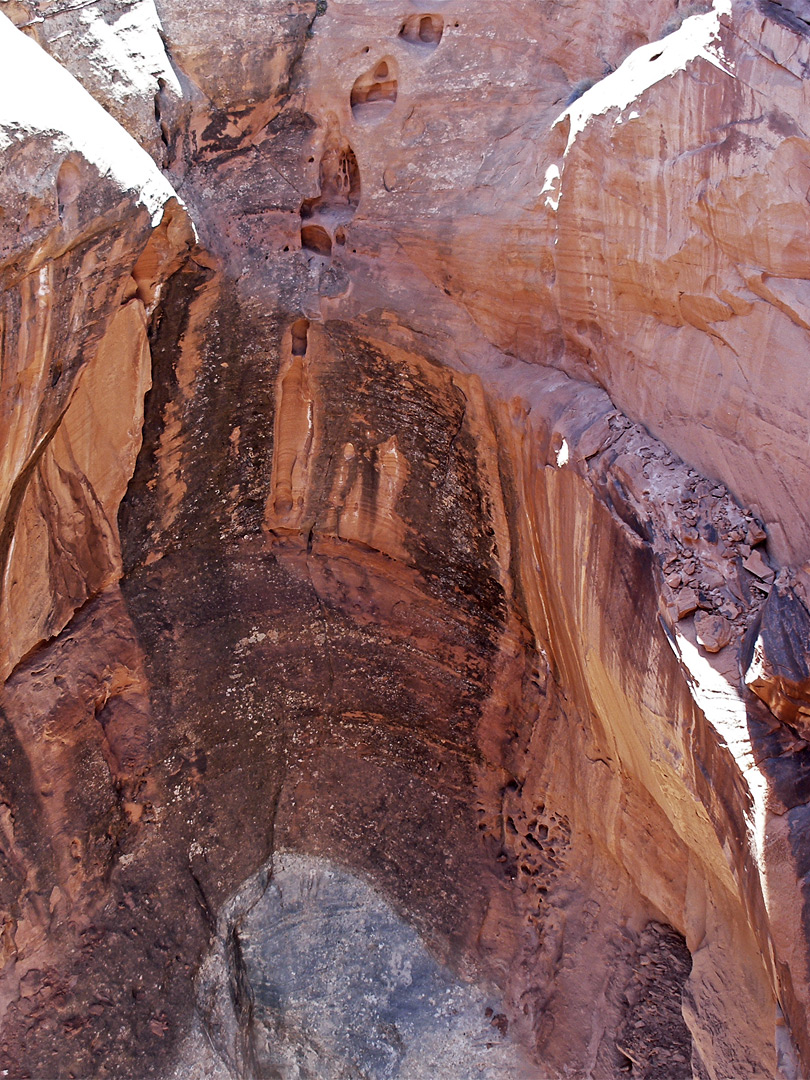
458 452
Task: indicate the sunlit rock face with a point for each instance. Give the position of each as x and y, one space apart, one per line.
404 506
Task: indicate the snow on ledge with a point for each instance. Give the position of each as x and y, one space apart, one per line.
38 95
696 38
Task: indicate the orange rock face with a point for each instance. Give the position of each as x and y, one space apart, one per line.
403 524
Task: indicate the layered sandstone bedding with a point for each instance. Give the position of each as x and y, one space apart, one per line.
404 528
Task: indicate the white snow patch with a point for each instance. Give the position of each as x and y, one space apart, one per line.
38 95
551 186
696 38
131 47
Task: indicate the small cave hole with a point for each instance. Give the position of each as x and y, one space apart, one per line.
316 238
657 56
429 32
374 93
299 332
423 30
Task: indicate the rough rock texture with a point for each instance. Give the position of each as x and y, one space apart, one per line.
403 502
340 984
80 200
778 670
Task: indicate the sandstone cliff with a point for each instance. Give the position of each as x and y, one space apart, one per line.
404 534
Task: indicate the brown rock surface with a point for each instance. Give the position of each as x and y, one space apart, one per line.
714 632
78 199
778 667
393 604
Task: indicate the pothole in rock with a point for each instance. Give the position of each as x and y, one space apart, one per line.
299 334
328 982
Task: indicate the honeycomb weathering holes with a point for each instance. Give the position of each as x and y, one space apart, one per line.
339 178
375 92
328 213
423 30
